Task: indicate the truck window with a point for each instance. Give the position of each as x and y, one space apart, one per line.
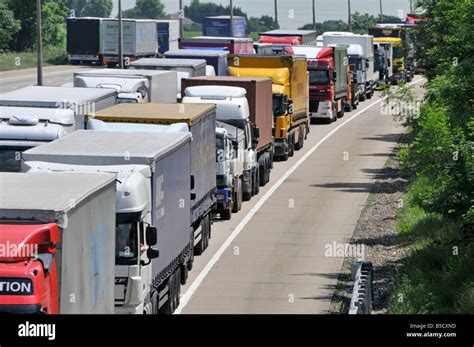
319 76
397 53
125 101
126 244
278 105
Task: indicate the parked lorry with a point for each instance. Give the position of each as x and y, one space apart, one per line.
132 86
139 40
304 37
234 45
216 59
245 102
387 47
367 44
35 115
398 34
230 144
224 26
152 172
84 40
58 237
328 80
168 35
200 121
290 96
184 68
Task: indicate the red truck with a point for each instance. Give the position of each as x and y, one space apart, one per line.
329 88
57 243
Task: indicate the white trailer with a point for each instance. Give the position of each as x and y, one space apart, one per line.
367 44
133 86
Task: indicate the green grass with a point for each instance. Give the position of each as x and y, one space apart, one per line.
25 60
437 276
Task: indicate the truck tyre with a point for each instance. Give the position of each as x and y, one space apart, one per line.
237 193
184 274
201 245
362 97
256 185
177 291
340 114
226 214
269 167
263 167
291 144
167 307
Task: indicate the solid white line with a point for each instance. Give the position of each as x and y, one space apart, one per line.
202 275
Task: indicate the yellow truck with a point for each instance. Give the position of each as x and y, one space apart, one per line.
290 96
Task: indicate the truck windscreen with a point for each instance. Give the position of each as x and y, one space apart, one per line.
220 153
397 52
319 76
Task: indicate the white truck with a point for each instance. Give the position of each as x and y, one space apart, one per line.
34 115
185 68
230 144
231 108
132 86
367 44
153 177
59 233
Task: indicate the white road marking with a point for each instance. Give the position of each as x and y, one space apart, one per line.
215 258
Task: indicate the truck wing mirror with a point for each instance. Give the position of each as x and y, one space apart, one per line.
151 235
334 75
193 196
46 259
192 182
235 146
152 253
256 133
367 65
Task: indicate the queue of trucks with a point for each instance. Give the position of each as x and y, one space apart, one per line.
152 155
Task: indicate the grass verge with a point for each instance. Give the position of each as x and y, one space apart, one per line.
25 60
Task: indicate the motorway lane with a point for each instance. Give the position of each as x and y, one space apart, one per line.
52 76
270 258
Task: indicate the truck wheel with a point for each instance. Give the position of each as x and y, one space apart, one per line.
184 274
291 144
177 291
256 185
226 214
369 95
300 138
201 245
167 307
362 97
354 106
190 262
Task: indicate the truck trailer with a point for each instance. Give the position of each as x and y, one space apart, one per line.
254 117
200 121
234 45
84 40
139 40
184 68
367 44
214 58
58 237
304 37
32 116
328 80
290 96
224 26
168 35
132 86
152 172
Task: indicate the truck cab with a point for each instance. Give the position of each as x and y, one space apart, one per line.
130 89
230 143
28 279
232 108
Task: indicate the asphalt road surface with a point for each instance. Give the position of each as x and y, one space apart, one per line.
270 258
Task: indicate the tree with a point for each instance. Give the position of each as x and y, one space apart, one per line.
146 9
197 11
329 25
53 14
90 8
264 23
9 26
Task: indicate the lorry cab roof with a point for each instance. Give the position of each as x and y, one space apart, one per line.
33 115
168 62
196 52
354 49
155 113
47 199
216 92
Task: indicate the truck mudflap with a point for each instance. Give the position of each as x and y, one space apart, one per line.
325 110
223 199
281 148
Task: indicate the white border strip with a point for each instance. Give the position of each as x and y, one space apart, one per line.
215 258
